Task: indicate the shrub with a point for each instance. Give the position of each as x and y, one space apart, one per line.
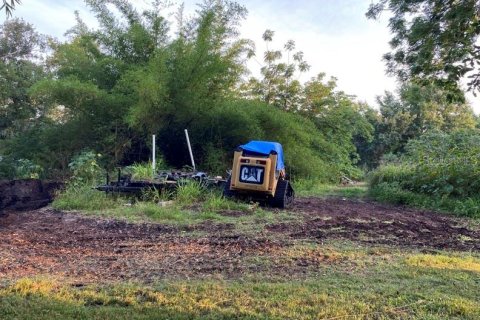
393 193
19 169
391 173
446 164
308 152
85 169
440 171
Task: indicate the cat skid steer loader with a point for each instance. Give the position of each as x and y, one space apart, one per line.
258 173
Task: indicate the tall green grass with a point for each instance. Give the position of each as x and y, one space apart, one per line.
190 203
190 192
84 197
397 184
394 193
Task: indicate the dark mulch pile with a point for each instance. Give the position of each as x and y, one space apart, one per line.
371 222
50 242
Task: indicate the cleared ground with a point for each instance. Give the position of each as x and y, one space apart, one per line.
82 249
326 258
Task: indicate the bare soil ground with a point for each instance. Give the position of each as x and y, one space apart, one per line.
375 223
89 249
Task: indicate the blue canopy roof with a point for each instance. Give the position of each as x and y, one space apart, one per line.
265 148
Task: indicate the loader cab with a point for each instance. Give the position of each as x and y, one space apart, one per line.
258 172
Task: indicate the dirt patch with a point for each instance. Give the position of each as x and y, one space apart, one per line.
73 246
374 223
92 249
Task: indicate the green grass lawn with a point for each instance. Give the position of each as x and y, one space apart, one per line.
308 188
354 283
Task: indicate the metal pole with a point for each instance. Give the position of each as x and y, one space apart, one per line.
190 150
154 164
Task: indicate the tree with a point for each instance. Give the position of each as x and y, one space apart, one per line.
278 85
187 82
433 41
86 89
9 6
108 90
338 118
21 49
417 111
113 87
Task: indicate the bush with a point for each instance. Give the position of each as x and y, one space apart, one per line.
445 164
393 193
391 173
440 171
308 152
85 169
19 169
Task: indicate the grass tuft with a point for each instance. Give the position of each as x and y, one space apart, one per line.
84 197
445 262
190 192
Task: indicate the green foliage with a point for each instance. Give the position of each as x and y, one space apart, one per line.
141 171
394 193
439 171
108 90
144 171
155 195
190 192
21 48
391 173
27 169
278 85
338 118
7 168
446 164
307 152
180 206
418 109
84 197
85 169
433 40
19 169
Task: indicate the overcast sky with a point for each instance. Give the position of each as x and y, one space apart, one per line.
334 35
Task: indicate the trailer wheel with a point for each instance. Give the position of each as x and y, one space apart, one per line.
284 195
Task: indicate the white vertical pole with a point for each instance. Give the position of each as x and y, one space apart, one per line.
190 150
154 164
